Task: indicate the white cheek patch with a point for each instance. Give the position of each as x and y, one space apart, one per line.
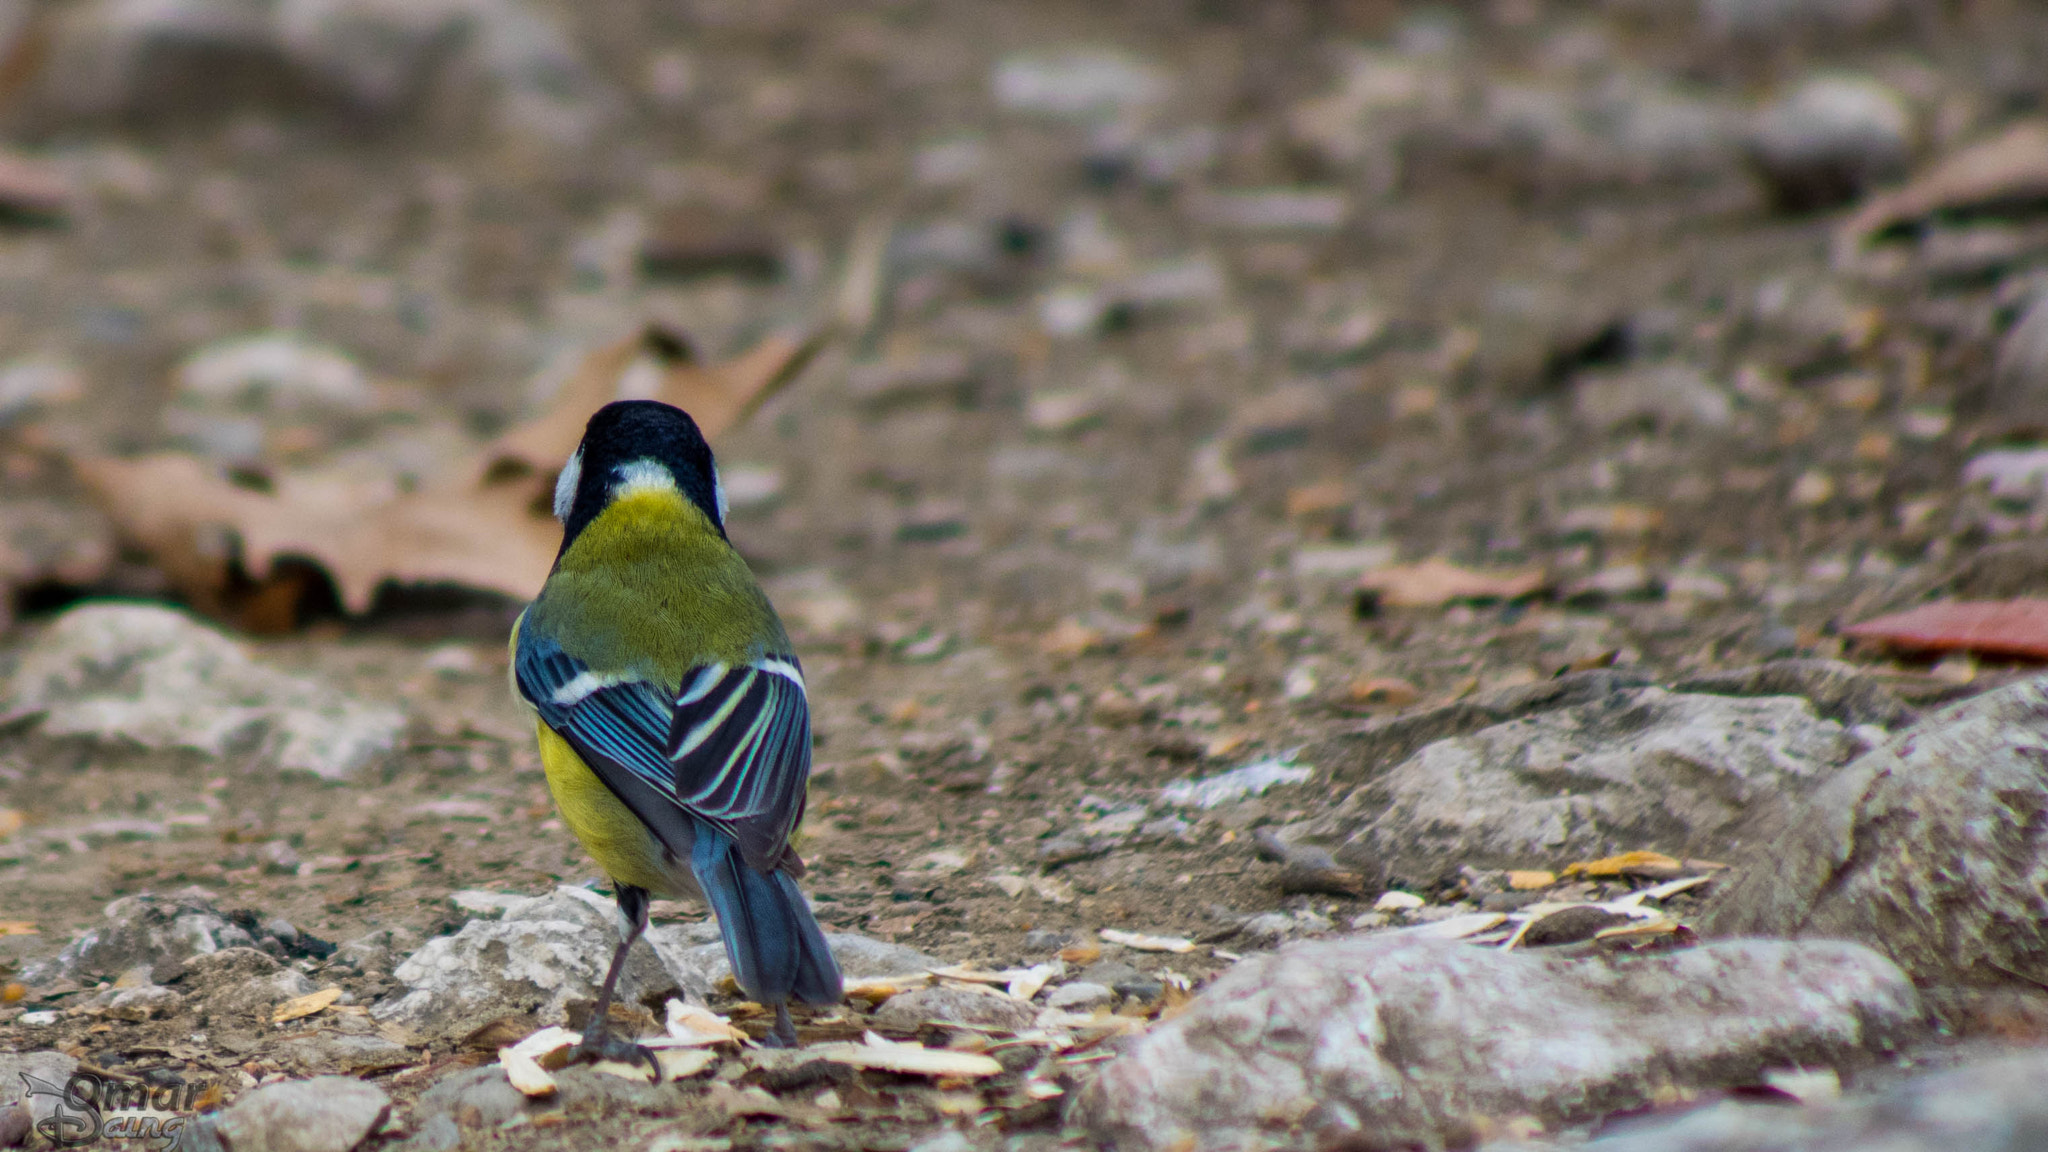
718 490
565 485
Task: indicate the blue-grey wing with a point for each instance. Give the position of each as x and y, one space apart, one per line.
618 725
740 745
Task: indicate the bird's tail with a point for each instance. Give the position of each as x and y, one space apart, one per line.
776 948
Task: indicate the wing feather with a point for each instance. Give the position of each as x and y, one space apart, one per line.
732 748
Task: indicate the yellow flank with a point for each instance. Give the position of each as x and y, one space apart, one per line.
613 836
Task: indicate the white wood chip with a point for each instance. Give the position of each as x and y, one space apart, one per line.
1456 927
1667 889
908 1059
624 1071
693 1025
875 989
681 1063
525 1073
1138 941
301 1006
546 1040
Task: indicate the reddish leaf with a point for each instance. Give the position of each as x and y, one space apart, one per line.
1988 627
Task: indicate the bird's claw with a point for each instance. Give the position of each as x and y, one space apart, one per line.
599 1044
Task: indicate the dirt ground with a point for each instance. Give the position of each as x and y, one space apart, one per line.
1038 583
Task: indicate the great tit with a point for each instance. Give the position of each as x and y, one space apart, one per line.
672 718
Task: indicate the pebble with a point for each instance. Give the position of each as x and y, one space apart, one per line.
324 1114
1081 996
1087 83
955 1004
1832 139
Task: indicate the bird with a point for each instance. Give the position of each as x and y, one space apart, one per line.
671 711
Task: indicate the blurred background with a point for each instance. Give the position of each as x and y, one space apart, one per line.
1113 319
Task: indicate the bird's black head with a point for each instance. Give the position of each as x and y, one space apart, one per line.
637 441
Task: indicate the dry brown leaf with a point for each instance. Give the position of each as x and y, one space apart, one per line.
299 1007
1655 865
2013 628
230 549
19 928
11 821
1531 880
1436 582
2011 167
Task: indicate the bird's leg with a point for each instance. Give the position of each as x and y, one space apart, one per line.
784 1035
598 1043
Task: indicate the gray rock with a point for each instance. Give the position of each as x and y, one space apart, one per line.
437 1133
250 999
148 675
544 953
472 1098
158 932
1832 139
145 1002
1663 395
343 1053
1990 1105
943 1004
1640 768
51 1069
1839 691
325 1114
1932 848
1081 996
1402 1042
1123 978
379 950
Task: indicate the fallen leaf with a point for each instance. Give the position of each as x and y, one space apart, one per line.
1139 942
227 547
1436 582
692 1025
1071 638
876 989
302 1006
1083 953
682 1063
1457 927
2009 168
2017 628
1383 692
883 1055
1654 865
526 1074
1531 881
1397 901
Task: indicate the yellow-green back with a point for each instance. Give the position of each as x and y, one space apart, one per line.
651 587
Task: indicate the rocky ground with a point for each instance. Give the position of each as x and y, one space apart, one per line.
1320 536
